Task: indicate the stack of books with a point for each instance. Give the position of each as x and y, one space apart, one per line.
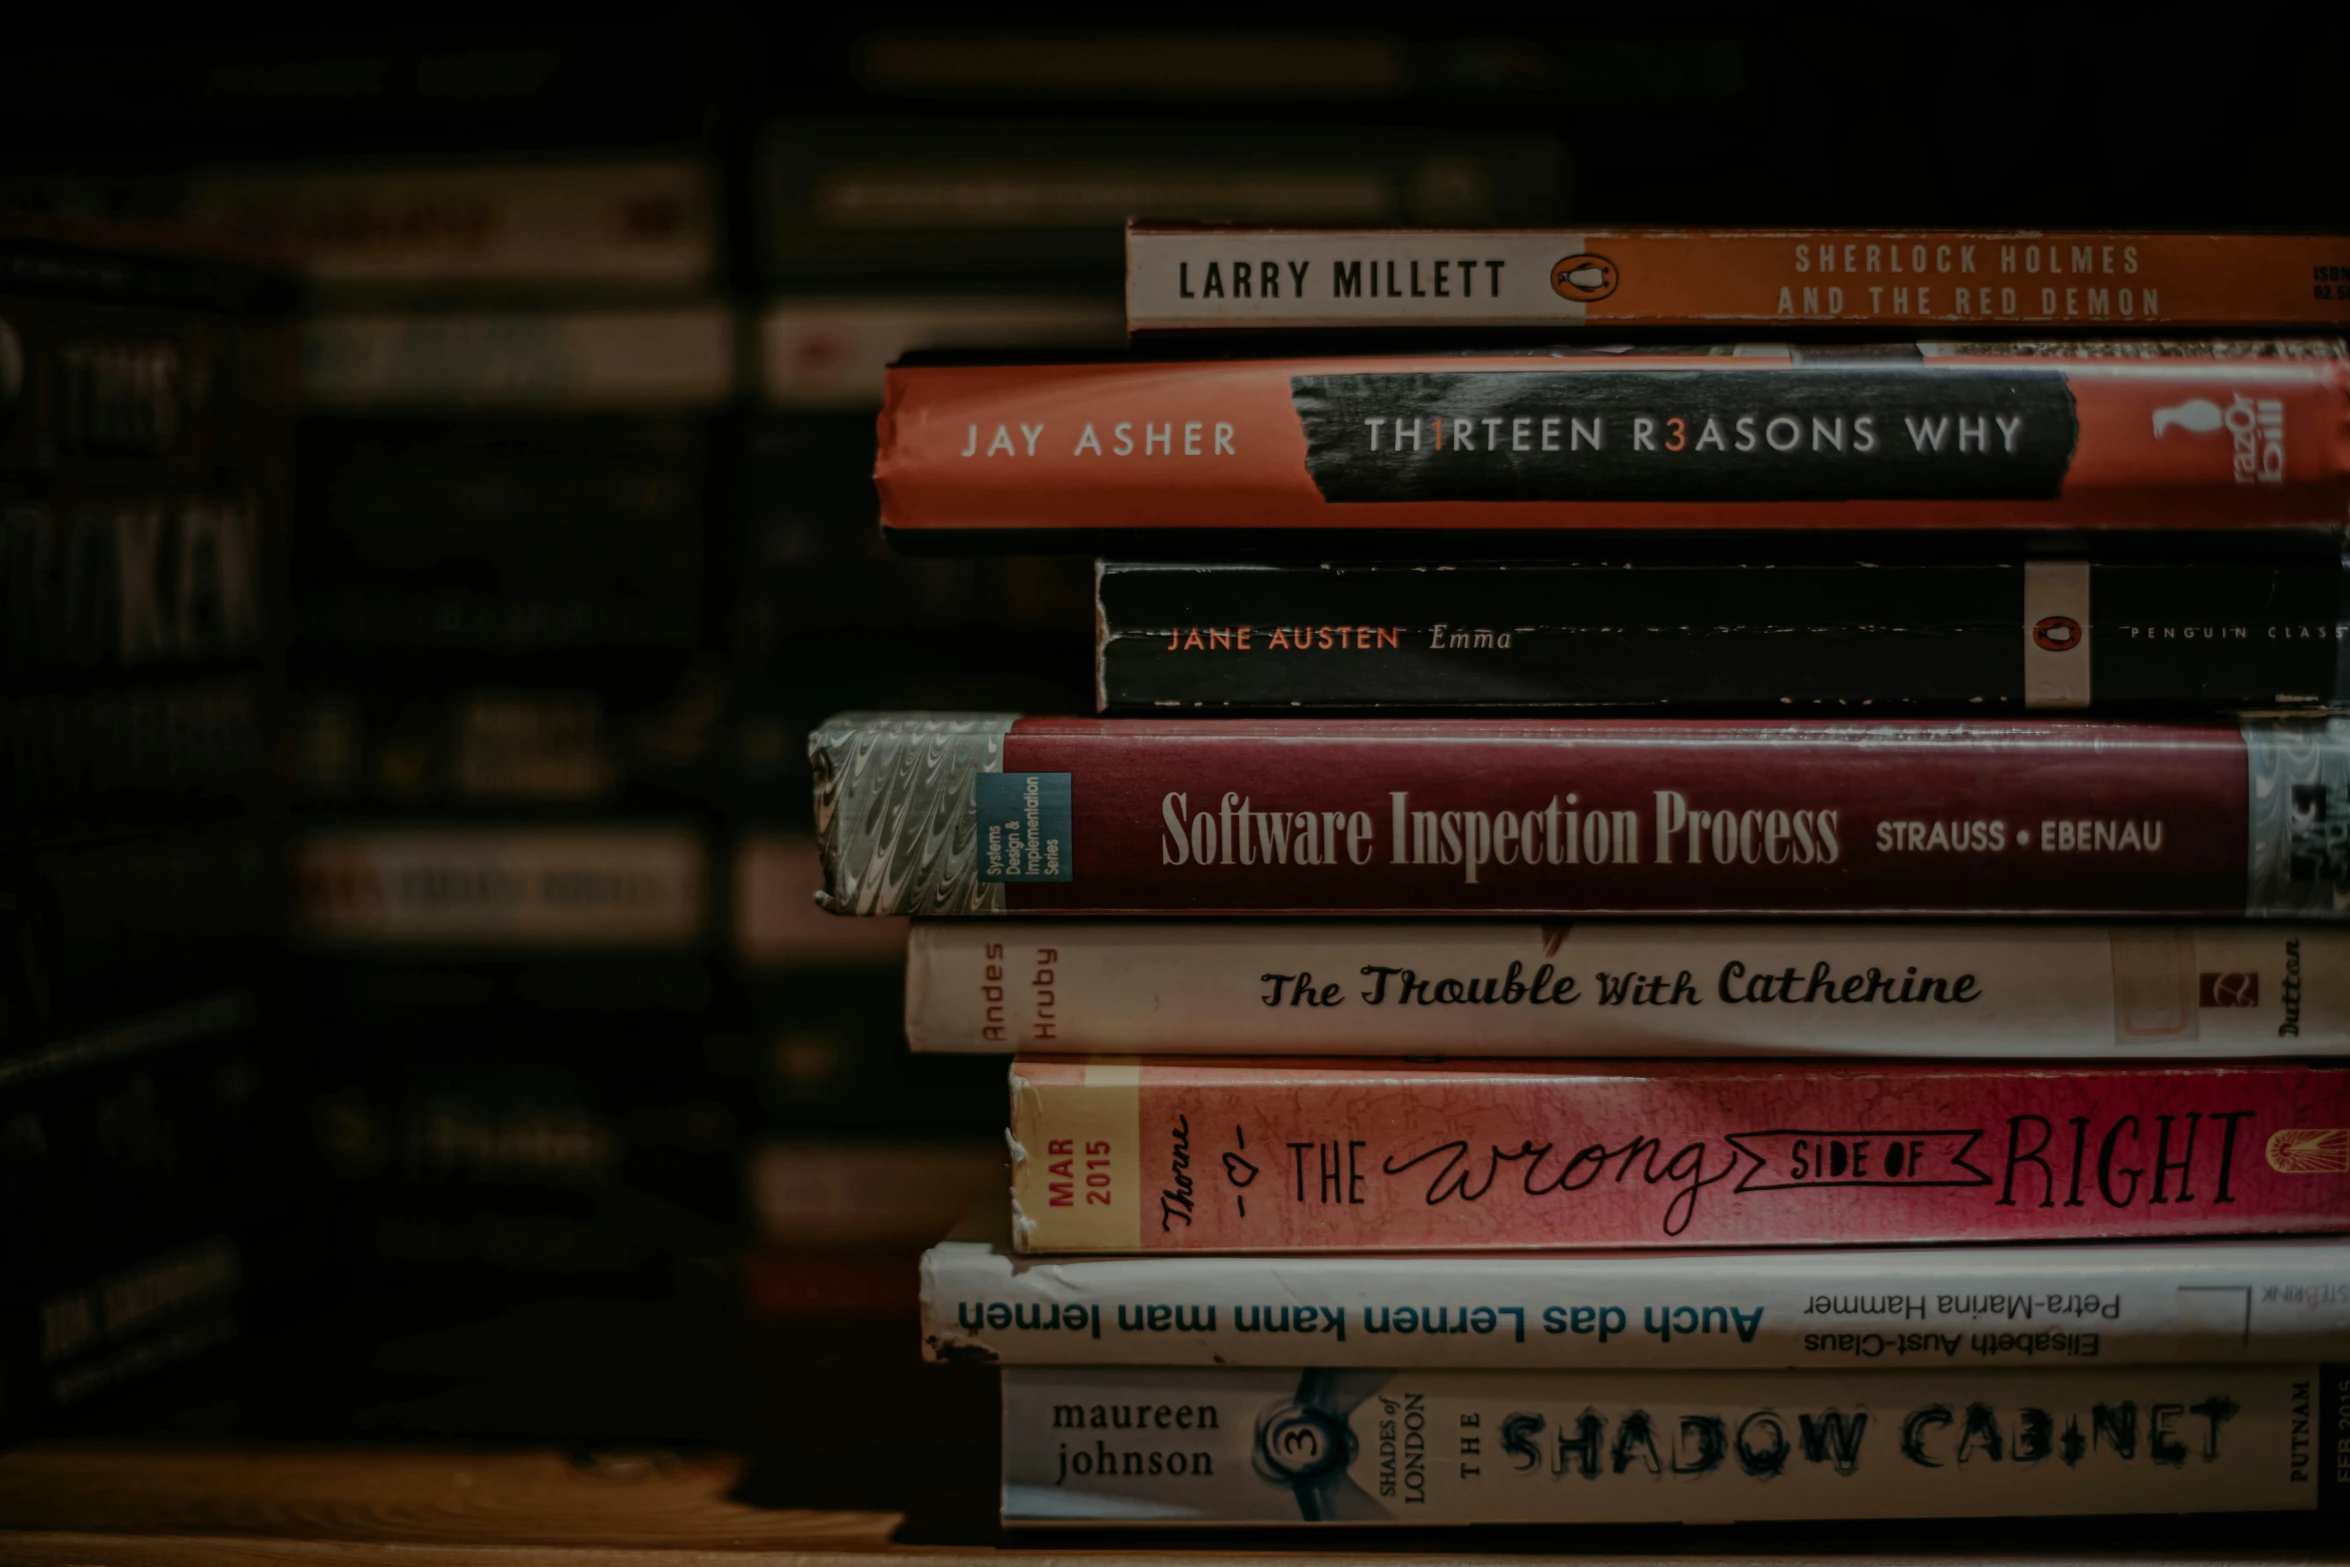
1351 1182
969 196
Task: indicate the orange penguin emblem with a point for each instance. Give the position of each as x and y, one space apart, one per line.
1585 278
2057 634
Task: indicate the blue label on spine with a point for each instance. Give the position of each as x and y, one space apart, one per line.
2298 855
1024 827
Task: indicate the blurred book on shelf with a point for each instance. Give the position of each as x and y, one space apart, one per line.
523 1107
818 1192
1041 204
821 351
832 1287
538 227
145 416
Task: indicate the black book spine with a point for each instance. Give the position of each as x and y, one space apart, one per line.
2014 634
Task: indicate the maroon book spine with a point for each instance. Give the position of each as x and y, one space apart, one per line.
936 815
1290 1155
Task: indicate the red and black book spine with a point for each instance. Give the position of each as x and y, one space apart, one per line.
990 814
1936 436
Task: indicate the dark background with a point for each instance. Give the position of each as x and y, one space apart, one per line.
2164 116
632 1284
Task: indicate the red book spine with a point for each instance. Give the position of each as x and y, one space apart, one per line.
1549 817
1773 438
1309 1156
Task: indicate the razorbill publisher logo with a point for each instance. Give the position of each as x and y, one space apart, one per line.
2255 428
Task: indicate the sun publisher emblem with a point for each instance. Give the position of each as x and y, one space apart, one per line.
1584 278
2310 1150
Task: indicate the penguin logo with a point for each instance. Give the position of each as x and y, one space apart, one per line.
1584 278
2057 634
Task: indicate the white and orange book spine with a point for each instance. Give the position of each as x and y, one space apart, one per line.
1225 277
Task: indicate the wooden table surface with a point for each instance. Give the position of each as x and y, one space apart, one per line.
108 1505
111 1505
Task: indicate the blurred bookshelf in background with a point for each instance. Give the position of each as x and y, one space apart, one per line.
588 1103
